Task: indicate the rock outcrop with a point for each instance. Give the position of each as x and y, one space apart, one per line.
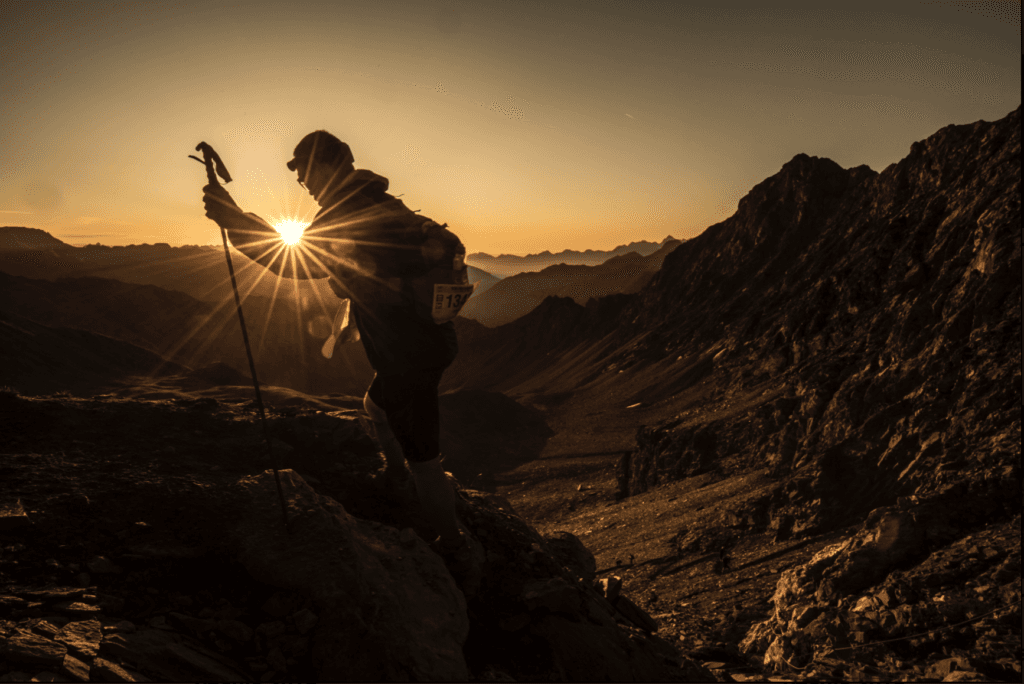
538 614
388 609
880 595
172 563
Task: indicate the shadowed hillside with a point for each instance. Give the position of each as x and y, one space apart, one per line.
38 359
196 333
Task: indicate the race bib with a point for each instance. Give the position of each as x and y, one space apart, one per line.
449 300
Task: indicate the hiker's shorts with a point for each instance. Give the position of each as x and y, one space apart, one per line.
410 402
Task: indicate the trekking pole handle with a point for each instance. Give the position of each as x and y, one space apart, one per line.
211 160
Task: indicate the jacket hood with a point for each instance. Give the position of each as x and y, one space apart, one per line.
360 181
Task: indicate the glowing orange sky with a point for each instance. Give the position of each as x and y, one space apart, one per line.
524 125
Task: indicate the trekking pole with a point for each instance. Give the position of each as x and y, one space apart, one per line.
210 157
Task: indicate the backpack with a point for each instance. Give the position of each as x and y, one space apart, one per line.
443 288
436 281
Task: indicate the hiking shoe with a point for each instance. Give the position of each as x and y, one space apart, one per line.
464 562
394 486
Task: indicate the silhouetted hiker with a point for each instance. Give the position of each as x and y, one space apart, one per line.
385 259
724 562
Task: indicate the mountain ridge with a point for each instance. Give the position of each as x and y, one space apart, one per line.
23 238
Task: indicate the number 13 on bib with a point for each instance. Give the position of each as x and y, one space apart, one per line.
449 300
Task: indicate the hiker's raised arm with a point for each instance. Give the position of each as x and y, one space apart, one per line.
255 238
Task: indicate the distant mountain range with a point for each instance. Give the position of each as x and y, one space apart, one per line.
507 265
197 270
517 295
200 272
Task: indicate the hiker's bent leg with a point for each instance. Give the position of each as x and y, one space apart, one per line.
389 445
437 499
410 401
413 412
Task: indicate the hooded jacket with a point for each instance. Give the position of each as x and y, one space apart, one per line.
369 244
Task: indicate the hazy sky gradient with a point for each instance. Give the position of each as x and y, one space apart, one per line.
524 125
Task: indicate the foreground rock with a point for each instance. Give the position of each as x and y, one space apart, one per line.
386 610
169 656
539 616
173 564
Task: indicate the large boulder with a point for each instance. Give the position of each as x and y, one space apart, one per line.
388 608
538 616
567 548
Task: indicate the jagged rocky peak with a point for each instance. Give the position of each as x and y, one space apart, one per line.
801 179
884 328
813 221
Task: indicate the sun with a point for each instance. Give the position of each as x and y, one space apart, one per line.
291 230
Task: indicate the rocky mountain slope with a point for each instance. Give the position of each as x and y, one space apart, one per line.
853 300
853 336
885 310
506 265
517 295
